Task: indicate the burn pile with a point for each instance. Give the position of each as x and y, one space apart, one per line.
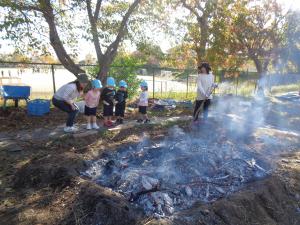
170 175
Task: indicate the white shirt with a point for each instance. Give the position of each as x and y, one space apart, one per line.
143 100
204 86
67 92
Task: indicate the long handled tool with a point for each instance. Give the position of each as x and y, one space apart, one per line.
213 87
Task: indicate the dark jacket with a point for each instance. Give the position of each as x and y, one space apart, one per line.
121 96
108 95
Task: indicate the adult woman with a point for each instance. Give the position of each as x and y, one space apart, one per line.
205 84
65 98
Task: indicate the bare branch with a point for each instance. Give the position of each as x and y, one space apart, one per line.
55 41
192 9
97 9
112 48
94 30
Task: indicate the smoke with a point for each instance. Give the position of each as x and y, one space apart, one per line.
238 144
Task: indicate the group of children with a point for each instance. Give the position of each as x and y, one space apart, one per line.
111 100
114 101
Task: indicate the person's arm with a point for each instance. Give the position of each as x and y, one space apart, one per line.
200 88
87 98
103 97
67 96
211 87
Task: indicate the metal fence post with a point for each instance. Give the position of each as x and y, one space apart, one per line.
53 78
187 86
153 80
236 85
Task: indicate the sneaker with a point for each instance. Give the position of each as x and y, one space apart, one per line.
139 121
88 126
95 126
147 121
70 129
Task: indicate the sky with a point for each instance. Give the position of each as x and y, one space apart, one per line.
165 43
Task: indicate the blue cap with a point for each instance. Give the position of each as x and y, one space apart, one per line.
111 82
96 84
144 84
122 83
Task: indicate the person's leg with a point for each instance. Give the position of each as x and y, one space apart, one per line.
145 115
117 112
111 113
63 106
205 108
140 117
196 113
105 114
66 108
94 123
71 118
89 125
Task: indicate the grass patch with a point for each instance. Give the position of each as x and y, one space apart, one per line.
285 88
180 96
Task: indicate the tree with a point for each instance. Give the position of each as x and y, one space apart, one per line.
258 31
181 56
291 50
203 11
208 32
103 21
149 53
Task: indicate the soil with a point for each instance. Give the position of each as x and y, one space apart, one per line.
40 182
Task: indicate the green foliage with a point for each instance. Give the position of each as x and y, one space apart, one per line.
124 67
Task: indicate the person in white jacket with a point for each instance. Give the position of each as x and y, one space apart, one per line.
205 85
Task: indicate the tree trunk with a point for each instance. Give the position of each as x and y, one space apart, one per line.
104 66
55 41
203 38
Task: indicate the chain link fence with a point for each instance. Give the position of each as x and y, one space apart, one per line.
45 79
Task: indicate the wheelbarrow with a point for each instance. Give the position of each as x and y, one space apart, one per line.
15 93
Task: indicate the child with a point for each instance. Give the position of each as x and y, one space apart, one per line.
120 98
143 103
205 83
107 96
65 98
91 102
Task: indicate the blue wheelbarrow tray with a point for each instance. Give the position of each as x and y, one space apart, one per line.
15 93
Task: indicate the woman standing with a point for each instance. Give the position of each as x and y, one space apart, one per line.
65 98
205 85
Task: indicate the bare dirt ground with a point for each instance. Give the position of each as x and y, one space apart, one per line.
40 182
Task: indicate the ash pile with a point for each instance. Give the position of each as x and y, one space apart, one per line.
167 176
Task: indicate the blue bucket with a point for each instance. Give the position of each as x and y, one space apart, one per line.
38 107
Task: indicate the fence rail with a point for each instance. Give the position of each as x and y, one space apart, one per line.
163 82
